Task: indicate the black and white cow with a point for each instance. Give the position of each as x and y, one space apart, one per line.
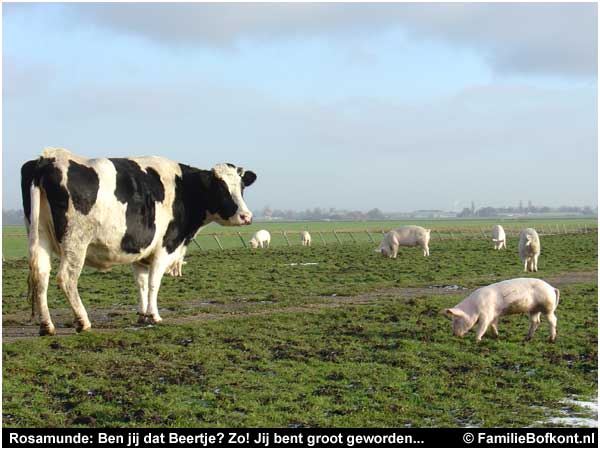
104 212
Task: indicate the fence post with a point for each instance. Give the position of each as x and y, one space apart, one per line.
286 239
322 238
218 242
370 237
565 228
353 238
336 236
197 245
242 239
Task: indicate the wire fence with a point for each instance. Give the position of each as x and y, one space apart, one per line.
240 239
233 240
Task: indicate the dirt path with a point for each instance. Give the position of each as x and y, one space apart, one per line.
18 325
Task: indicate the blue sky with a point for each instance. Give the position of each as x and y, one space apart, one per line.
395 106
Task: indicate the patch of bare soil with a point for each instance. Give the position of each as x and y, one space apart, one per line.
18 325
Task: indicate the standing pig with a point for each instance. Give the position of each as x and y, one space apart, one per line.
261 238
498 237
407 236
520 295
305 238
529 249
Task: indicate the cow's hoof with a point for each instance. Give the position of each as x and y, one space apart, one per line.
81 326
47 330
552 340
156 319
142 318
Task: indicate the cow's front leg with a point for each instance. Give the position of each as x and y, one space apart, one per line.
141 275
157 270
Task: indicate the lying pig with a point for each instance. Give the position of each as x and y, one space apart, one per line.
520 295
407 236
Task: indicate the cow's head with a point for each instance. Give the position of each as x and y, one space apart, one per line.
227 190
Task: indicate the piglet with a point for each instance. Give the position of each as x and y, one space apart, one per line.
520 295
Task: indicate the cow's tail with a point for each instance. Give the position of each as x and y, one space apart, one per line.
557 292
34 248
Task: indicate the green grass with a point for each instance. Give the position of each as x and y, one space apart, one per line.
391 363
253 276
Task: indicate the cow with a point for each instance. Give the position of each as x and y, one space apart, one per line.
103 212
498 237
406 236
529 249
520 295
262 239
305 238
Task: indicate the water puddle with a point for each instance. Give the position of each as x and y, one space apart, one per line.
451 287
576 413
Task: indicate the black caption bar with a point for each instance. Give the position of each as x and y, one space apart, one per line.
305 437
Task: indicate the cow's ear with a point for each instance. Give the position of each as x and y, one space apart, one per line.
248 178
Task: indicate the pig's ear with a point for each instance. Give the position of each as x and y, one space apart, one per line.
453 312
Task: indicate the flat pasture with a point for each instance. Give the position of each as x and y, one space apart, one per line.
330 336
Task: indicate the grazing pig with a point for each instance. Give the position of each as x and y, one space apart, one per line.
261 238
498 237
519 295
305 237
407 236
529 249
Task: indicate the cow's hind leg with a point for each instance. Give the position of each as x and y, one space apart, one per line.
141 275
71 264
39 276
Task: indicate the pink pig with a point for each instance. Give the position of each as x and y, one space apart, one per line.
520 295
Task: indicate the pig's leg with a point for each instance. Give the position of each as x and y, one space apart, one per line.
484 323
533 324
494 326
552 320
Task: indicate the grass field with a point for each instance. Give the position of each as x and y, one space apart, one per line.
14 242
253 338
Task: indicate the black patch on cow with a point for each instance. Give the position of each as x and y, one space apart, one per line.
27 176
189 206
42 172
139 190
83 185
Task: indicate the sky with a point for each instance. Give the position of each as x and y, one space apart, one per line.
396 106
